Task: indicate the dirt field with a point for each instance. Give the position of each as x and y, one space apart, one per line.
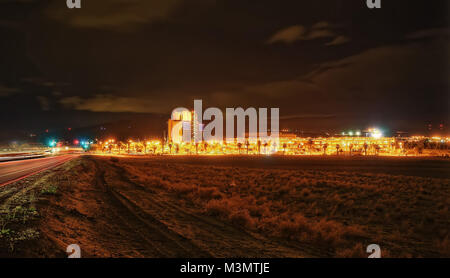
230 207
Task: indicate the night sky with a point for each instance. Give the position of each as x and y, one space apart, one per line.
328 65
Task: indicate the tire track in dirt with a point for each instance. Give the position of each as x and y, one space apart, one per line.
154 234
219 238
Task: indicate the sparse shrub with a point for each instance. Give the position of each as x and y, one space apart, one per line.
242 218
4 233
181 188
354 231
219 208
14 237
357 251
298 227
305 192
289 229
327 232
209 193
258 210
49 190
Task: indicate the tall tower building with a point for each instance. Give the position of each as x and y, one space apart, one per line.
195 127
185 119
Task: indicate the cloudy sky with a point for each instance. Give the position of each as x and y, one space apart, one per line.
327 65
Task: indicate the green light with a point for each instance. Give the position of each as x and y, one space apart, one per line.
52 143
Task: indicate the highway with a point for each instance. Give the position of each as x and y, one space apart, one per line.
13 171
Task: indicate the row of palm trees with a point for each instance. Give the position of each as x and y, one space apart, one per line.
339 150
375 148
204 146
259 147
127 147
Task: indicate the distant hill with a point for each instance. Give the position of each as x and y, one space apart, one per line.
37 127
131 127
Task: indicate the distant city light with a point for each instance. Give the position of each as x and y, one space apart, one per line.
375 133
85 144
52 143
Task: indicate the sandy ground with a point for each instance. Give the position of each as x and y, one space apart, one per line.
107 215
108 211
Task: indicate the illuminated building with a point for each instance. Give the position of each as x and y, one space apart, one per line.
190 126
196 127
370 142
184 118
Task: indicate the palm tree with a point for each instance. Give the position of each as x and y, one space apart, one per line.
122 146
239 145
419 147
325 146
223 146
310 145
377 149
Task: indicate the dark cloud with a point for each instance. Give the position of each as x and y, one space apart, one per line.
306 57
395 81
319 30
289 34
339 40
430 33
6 91
113 14
308 116
110 103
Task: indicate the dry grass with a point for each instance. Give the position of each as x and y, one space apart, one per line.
337 212
19 213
